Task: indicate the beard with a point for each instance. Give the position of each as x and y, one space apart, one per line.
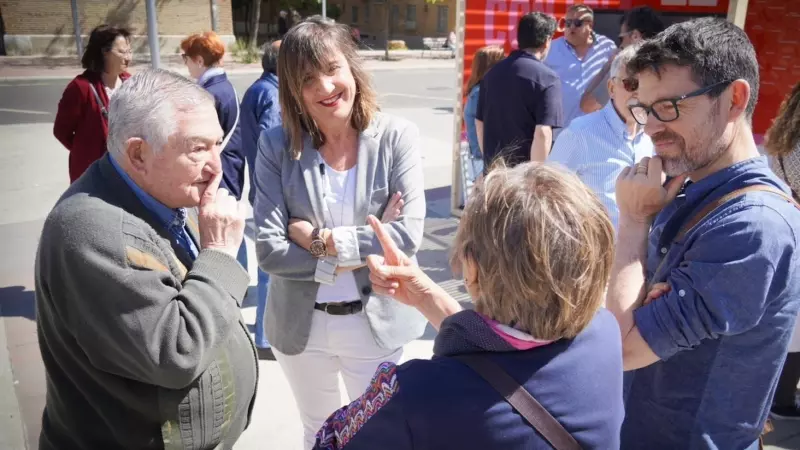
706 144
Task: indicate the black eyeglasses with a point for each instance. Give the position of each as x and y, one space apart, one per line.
666 110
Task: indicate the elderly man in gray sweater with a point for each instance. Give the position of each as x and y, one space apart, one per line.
138 288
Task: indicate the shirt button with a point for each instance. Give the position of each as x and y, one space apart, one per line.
682 293
663 250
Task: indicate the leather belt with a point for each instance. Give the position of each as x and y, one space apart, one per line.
340 309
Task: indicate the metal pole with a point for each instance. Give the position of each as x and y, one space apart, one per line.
76 25
324 8
214 16
152 34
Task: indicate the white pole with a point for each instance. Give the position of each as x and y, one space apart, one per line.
324 8
152 34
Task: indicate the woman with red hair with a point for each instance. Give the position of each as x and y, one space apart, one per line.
202 54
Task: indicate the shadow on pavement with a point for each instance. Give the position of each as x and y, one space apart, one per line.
15 301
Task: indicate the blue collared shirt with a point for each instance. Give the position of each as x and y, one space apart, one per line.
173 219
576 74
723 330
597 147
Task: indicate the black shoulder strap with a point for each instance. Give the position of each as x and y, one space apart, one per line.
522 401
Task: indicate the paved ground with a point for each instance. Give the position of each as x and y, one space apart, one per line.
33 174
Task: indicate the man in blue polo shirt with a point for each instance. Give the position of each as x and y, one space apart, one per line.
706 350
520 98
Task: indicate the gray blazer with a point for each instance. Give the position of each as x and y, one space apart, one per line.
388 161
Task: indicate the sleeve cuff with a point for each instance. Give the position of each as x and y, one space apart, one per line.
325 272
345 240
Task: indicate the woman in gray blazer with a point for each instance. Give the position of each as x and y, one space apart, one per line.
335 161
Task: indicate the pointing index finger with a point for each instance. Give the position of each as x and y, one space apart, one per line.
389 247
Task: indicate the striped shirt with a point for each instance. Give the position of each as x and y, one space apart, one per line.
597 147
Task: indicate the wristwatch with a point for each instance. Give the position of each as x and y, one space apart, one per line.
319 247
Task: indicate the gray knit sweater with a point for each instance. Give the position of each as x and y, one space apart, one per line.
144 348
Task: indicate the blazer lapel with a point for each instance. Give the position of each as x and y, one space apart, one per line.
365 172
310 166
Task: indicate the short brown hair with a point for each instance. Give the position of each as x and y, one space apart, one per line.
784 134
543 245
306 49
484 59
208 45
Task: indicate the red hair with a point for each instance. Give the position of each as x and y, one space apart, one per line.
208 45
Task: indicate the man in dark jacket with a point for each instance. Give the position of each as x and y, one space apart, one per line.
138 294
260 112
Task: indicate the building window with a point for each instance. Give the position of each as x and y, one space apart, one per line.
366 13
354 11
411 17
441 18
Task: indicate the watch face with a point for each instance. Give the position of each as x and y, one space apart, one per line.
317 248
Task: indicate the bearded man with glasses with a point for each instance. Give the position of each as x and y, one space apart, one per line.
704 283
599 145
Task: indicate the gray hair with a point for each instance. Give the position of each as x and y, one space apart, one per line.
145 106
269 61
624 57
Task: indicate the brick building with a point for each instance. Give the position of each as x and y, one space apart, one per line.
410 20
35 27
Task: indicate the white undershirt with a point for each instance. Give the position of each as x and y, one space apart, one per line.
109 91
340 197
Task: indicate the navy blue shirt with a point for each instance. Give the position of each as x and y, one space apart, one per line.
227 106
517 94
260 111
723 330
442 404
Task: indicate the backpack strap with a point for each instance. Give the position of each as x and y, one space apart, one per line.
103 108
522 401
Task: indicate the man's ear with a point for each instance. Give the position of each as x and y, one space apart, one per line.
136 153
739 97
636 36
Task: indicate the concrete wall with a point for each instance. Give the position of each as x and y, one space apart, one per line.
36 27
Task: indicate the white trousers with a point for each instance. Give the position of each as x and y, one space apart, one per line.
336 345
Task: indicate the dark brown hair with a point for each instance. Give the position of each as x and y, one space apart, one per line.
784 134
306 50
100 41
484 59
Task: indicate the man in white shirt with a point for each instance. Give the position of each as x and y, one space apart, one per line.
599 145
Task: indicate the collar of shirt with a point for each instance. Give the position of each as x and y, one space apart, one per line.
170 218
695 191
593 46
210 72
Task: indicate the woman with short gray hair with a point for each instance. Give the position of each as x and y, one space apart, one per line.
535 246
334 161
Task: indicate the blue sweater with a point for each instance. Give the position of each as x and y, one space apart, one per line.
442 404
227 105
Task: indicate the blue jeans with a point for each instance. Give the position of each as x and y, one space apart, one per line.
261 293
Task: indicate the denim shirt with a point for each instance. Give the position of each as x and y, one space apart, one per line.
173 219
723 330
470 113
